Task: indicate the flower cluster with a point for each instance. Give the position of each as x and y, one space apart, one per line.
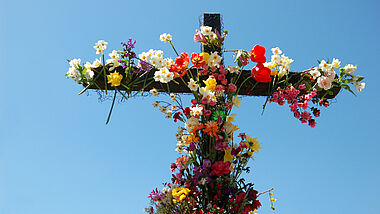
206 176
279 64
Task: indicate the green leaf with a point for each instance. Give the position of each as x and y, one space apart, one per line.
360 79
347 87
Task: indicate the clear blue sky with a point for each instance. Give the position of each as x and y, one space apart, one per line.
57 156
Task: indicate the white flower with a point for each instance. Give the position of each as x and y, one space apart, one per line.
163 109
196 111
324 66
330 74
335 63
282 71
206 30
165 37
190 123
215 59
88 65
163 75
193 85
89 74
155 104
213 36
168 114
154 92
167 62
158 53
96 63
144 56
173 96
349 68
174 107
158 76
324 82
114 58
276 51
100 46
75 63
166 75
359 86
233 69
315 73
209 95
276 58
114 55
73 74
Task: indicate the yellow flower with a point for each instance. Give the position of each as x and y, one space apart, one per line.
273 72
179 194
114 78
231 118
253 144
210 84
273 199
205 56
228 156
236 101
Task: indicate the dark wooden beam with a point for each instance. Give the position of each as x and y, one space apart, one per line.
261 89
212 20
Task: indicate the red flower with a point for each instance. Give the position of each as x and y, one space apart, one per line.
257 54
197 60
220 168
239 198
176 116
261 73
186 111
179 67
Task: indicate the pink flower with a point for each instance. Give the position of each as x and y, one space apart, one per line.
219 88
207 113
204 100
204 71
199 37
302 86
220 146
222 70
220 168
232 87
212 103
244 61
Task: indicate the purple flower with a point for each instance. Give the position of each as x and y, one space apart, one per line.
143 66
192 146
206 163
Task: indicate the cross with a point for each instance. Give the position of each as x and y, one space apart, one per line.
213 20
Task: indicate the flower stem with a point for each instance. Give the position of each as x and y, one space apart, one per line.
173 48
113 102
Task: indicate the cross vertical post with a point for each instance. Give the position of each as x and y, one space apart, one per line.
212 20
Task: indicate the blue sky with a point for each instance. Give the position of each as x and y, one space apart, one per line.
58 156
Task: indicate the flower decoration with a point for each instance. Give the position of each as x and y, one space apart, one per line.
206 176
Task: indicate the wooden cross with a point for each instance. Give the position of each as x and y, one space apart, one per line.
213 20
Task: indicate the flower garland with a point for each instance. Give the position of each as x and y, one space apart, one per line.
206 177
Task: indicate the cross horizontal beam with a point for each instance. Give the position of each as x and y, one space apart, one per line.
250 87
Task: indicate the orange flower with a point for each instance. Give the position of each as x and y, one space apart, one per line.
179 67
197 60
211 128
192 138
197 128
